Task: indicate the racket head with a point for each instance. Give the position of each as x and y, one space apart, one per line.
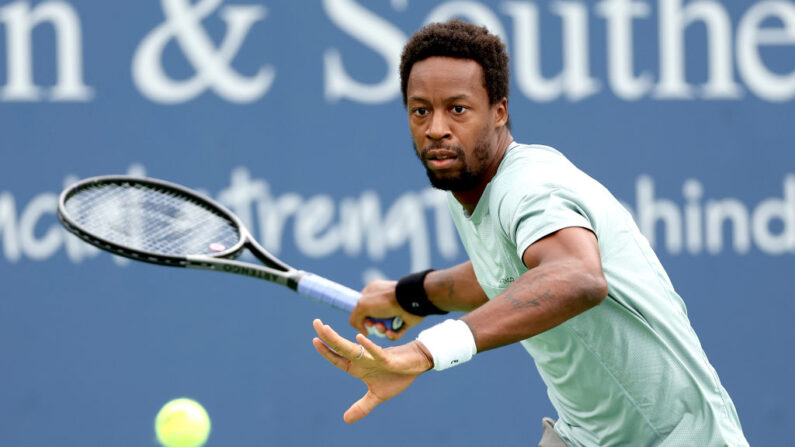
150 220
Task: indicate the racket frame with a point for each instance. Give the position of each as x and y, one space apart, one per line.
274 270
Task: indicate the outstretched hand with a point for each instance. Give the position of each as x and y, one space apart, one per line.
386 372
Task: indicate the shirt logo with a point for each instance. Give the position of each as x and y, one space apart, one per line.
505 282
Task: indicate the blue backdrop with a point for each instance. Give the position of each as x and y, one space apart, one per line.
289 113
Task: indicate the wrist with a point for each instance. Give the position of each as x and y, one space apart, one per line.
426 355
449 343
412 297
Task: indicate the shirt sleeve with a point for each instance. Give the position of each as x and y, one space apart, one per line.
527 217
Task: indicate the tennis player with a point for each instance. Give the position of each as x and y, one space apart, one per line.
556 263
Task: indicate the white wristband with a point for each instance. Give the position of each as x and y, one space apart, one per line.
450 343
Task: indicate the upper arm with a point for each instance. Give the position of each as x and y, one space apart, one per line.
564 280
574 246
566 243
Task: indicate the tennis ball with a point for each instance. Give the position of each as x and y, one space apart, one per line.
182 423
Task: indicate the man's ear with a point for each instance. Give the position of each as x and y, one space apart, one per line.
501 112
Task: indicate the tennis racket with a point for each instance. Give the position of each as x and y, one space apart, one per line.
163 223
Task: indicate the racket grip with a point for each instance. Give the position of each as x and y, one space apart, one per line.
341 297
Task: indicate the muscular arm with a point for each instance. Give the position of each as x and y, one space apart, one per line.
564 280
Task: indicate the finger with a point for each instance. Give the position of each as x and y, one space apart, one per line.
336 360
359 316
327 334
396 335
371 348
361 408
372 327
372 330
357 322
336 342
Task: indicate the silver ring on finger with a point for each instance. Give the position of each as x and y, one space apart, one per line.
361 354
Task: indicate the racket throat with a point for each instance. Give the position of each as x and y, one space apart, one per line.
288 279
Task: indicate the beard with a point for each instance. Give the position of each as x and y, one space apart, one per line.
468 177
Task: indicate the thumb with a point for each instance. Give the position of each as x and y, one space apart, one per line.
361 408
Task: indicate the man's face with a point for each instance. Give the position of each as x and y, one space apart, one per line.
451 121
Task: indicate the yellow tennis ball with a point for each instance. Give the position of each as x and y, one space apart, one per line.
182 423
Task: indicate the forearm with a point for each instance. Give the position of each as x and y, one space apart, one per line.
537 301
455 288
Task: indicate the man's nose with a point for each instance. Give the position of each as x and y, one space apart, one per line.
438 128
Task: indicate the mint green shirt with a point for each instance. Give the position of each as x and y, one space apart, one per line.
630 371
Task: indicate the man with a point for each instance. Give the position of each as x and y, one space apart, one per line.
556 263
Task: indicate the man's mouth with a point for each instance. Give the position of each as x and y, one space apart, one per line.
440 158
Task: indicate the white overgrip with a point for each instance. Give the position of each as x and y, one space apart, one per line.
329 292
344 298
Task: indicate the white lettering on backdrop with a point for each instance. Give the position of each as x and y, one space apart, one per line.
756 30
212 65
20 20
765 26
419 222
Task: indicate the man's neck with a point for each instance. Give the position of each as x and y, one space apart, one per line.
469 199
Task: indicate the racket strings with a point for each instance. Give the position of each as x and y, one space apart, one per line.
151 219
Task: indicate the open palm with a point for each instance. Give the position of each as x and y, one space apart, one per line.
386 372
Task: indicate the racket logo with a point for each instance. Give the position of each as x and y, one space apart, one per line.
249 271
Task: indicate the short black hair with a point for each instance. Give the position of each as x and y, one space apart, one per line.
461 40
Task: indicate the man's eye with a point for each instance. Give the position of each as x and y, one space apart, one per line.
420 111
459 109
